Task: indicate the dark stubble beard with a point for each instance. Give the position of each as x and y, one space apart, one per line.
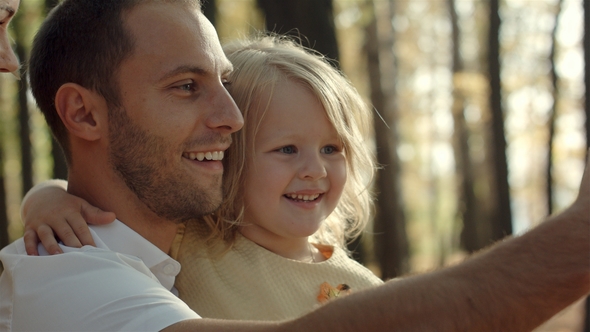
141 159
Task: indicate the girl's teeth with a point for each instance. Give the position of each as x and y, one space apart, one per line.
304 197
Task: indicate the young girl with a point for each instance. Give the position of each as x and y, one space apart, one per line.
295 187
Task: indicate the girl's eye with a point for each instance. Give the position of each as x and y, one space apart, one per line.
288 149
329 149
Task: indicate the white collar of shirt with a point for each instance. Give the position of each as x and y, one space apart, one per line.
118 237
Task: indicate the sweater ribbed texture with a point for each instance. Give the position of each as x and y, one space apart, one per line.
250 282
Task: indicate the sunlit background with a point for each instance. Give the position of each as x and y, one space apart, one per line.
424 86
542 103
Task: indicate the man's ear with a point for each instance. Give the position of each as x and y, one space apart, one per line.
82 111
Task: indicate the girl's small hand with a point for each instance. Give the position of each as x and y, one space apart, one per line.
48 211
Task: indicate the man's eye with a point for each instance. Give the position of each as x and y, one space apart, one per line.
288 149
187 87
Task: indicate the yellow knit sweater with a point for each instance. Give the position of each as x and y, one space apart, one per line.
250 282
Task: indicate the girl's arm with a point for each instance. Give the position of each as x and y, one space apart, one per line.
48 211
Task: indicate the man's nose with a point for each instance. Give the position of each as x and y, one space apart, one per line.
225 116
8 60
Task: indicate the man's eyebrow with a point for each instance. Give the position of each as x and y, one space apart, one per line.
184 69
195 70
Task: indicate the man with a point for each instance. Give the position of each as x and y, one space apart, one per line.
8 62
132 90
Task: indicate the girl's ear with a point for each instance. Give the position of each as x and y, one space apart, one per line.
82 111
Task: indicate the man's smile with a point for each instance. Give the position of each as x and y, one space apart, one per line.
200 156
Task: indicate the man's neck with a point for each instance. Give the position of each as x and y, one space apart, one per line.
109 193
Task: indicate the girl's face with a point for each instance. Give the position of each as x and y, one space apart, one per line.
296 172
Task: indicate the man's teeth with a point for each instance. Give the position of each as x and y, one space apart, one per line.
200 156
303 197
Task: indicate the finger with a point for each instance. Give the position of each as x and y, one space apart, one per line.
96 216
81 230
31 242
66 234
48 240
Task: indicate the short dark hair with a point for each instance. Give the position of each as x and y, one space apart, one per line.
82 42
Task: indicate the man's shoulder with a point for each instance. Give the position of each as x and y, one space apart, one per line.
72 262
92 285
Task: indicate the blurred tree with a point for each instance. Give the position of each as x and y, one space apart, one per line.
3 197
23 109
502 221
3 210
467 201
553 112
311 20
391 243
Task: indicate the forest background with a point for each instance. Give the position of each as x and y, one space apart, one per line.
480 124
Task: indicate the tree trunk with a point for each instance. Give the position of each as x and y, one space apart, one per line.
467 201
553 113
23 116
3 197
502 221
3 208
391 243
312 20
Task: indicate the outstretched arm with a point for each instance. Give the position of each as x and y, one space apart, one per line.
48 211
515 285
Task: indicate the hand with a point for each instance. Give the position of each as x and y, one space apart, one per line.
49 211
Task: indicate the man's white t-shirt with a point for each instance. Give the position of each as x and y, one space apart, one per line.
123 284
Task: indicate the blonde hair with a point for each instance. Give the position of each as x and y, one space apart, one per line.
258 65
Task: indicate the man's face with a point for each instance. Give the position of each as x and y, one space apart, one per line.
8 62
168 138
